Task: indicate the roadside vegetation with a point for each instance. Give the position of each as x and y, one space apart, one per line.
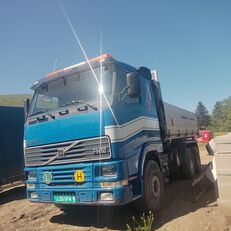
16 100
145 223
220 118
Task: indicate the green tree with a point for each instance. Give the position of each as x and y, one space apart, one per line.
221 116
227 114
217 118
202 115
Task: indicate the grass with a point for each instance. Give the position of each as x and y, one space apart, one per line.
16 100
145 224
201 146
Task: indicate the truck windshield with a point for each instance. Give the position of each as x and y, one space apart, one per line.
80 87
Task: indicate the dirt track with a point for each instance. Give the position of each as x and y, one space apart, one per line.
178 213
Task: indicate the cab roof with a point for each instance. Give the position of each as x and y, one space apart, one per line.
72 69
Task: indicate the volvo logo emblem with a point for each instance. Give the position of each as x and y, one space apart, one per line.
47 177
61 152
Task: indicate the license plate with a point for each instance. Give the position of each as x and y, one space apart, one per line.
64 199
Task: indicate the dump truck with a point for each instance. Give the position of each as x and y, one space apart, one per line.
11 147
99 133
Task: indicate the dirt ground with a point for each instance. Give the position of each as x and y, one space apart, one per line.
179 212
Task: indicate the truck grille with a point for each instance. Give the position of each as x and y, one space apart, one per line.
82 150
63 178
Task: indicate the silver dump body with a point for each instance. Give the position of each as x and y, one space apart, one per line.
180 123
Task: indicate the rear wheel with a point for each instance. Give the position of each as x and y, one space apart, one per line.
197 159
153 188
188 167
174 163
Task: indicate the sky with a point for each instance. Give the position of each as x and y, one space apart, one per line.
188 42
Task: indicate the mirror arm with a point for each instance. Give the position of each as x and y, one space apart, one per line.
124 97
125 89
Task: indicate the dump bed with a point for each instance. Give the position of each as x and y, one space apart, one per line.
179 122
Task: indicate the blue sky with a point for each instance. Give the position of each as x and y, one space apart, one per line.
189 42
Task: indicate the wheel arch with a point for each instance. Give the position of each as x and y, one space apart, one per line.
150 152
148 201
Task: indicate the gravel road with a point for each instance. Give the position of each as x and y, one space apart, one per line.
178 213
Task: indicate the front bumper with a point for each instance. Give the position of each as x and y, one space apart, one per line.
121 195
89 192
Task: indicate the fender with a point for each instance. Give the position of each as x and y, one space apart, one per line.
154 146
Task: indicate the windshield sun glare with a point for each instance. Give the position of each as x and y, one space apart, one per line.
80 87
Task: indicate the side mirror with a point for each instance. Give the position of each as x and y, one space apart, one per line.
26 107
133 85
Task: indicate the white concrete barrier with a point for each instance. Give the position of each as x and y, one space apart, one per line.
223 168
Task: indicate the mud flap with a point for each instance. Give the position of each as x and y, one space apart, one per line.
207 178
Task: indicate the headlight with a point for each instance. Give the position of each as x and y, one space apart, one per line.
31 176
109 171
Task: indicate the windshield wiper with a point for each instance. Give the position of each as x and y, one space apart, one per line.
81 102
44 112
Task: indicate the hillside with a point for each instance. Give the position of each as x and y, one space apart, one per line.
14 100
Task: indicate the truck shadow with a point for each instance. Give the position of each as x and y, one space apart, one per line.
17 193
98 217
178 202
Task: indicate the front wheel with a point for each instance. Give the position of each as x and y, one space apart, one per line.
153 188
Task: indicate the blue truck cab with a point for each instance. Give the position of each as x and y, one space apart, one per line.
96 134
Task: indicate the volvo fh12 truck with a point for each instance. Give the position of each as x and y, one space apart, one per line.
98 133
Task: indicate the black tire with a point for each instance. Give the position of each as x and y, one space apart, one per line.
197 158
188 169
153 189
174 163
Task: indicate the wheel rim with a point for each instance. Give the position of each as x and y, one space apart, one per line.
155 187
